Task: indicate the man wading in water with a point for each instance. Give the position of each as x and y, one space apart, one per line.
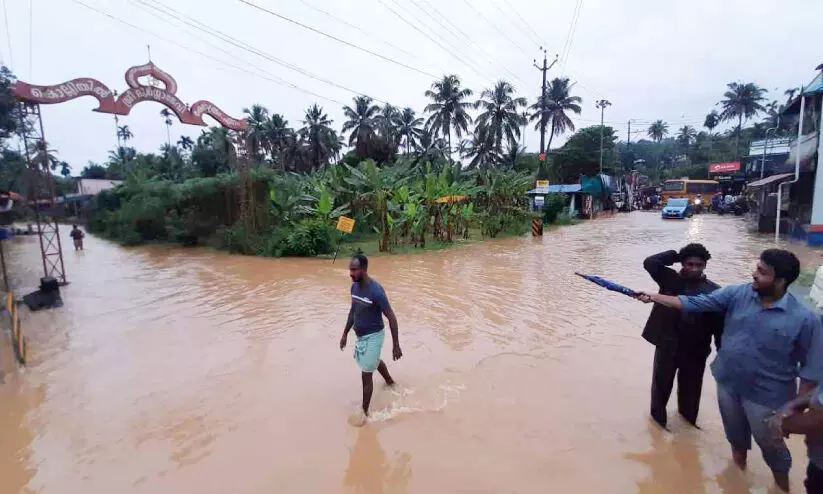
769 340
368 305
682 341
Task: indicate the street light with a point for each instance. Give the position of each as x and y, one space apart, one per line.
602 104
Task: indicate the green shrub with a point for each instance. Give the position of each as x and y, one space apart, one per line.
308 238
553 207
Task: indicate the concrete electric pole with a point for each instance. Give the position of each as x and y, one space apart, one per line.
602 104
542 100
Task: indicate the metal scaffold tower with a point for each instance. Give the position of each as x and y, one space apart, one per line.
41 190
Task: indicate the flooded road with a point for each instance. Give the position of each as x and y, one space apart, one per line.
174 370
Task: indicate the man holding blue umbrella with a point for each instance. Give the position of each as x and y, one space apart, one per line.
682 341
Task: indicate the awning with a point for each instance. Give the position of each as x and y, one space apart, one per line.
770 180
556 189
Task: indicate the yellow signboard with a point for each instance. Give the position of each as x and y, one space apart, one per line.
542 184
345 224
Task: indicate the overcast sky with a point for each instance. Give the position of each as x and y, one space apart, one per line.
652 59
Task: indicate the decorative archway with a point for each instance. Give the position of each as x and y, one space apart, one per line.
31 127
137 92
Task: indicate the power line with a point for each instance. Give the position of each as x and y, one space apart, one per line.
354 26
536 35
279 80
570 35
496 28
479 72
517 26
472 42
8 33
347 43
138 28
168 11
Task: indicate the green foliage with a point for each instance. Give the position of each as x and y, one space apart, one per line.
553 207
308 238
580 155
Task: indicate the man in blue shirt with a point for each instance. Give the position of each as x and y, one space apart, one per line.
369 304
769 340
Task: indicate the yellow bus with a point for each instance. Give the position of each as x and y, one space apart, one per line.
689 189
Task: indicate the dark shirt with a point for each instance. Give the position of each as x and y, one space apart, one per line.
688 333
367 305
765 349
76 234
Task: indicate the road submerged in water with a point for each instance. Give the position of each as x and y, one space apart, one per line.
185 370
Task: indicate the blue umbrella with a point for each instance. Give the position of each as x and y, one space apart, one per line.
608 285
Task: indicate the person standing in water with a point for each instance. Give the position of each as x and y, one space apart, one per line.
770 340
77 235
369 304
682 341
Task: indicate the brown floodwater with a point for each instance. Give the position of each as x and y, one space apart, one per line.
175 370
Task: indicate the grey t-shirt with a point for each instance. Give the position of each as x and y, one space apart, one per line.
367 305
816 444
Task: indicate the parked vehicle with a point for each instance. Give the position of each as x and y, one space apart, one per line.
677 209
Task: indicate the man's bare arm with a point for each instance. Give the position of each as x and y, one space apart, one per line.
396 352
349 324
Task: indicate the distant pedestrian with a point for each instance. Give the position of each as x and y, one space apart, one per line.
77 235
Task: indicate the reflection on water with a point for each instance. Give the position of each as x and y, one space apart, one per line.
175 370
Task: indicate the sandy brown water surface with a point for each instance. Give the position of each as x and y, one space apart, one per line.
188 371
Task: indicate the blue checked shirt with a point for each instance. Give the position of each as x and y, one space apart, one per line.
764 350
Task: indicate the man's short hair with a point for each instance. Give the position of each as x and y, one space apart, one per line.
785 264
695 250
362 260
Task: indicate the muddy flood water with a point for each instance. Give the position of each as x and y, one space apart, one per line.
189 371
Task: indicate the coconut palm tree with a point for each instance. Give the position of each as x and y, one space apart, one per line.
552 109
166 114
712 121
741 102
124 133
686 135
482 149
320 139
500 116
185 143
257 119
658 130
279 137
360 123
386 123
448 109
409 126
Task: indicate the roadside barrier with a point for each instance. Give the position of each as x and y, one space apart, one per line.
17 338
537 227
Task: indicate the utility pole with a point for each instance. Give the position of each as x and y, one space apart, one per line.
628 134
542 100
602 104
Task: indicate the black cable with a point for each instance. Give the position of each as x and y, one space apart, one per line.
490 23
536 35
472 42
244 46
347 43
508 18
447 50
278 81
355 27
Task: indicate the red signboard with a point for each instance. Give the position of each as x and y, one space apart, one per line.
137 92
725 167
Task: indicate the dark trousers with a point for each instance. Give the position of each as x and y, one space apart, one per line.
689 369
814 480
